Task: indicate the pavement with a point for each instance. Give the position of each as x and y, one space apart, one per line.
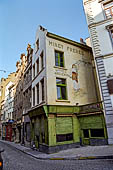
82 153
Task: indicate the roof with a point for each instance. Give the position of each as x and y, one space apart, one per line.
66 40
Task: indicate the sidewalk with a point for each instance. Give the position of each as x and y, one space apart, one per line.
86 152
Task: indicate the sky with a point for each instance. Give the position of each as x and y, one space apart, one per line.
19 20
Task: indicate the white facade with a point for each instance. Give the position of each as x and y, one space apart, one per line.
8 102
99 15
77 61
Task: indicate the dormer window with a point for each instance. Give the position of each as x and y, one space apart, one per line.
108 7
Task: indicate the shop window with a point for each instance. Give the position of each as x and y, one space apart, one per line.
61 89
110 86
59 59
97 132
86 133
42 85
108 7
64 137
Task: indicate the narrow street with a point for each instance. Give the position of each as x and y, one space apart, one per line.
16 160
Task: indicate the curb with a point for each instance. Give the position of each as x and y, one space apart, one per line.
60 158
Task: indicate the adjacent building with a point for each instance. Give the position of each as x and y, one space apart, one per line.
99 15
27 83
7 103
66 109
18 99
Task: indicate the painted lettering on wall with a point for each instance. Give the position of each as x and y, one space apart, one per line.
54 44
69 49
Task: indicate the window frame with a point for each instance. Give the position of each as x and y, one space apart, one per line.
59 62
108 8
61 85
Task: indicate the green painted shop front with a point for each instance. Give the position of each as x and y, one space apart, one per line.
54 128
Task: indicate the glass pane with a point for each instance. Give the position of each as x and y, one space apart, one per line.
63 92
86 133
61 64
60 81
61 60
58 93
56 61
97 132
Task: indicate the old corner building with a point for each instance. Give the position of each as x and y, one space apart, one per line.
65 111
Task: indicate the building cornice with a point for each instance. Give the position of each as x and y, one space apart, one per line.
65 40
100 22
106 55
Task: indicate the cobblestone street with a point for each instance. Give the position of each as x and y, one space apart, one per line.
16 160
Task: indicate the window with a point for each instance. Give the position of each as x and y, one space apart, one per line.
110 86
86 133
33 70
59 59
61 89
37 45
97 132
42 85
37 93
37 65
42 58
108 7
34 96
111 32
64 137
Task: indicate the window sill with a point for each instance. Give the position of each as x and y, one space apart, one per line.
63 68
67 101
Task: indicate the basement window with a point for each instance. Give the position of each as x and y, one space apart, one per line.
64 137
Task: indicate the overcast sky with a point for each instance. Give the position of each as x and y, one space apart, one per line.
19 20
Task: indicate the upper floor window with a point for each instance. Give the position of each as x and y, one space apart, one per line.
108 7
42 87
42 59
59 58
37 93
61 89
111 32
33 96
37 45
33 70
37 65
110 85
